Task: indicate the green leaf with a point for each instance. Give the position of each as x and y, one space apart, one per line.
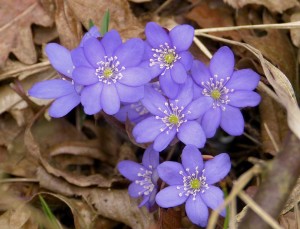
226 221
105 23
91 23
49 213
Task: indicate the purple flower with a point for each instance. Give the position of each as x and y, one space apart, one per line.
192 183
93 32
170 118
143 176
167 56
135 112
64 91
229 89
110 72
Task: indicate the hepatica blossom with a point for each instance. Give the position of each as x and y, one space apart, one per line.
168 56
143 176
64 92
170 118
110 72
230 90
192 183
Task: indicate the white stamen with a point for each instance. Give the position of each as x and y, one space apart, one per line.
159 57
217 85
172 110
188 178
145 181
113 65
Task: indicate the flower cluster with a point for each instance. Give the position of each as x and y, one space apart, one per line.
168 96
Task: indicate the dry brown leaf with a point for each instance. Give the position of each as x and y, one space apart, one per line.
295 33
272 5
68 27
170 218
122 19
82 214
16 18
43 35
275 46
109 203
9 98
139 1
208 17
15 218
276 124
288 221
293 198
117 205
42 131
9 130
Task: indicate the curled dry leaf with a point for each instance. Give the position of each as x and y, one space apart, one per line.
34 149
117 205
122 18
109 203
16 18
82 214
272 5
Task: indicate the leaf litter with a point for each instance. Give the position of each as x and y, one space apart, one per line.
75 160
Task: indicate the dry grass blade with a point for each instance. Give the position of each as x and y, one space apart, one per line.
288 25
32 68
232 214
202 47
237 188
259 211
271 137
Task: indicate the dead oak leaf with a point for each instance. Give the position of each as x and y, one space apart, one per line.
16 18
122 18
207 16
272 5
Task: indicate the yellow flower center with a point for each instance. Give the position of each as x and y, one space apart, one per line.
195 184
169 58
215 94
173 119
107 72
